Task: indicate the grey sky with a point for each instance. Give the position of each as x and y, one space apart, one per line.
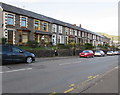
94 15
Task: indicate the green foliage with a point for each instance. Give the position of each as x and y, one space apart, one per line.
32 44
3 40
107 45
62 46
100 45
88 46
72 44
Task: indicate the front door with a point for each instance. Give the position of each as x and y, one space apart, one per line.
10 36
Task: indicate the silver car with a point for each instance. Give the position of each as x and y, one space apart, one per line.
110 53
99 53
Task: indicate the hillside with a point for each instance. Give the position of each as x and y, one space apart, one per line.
114 38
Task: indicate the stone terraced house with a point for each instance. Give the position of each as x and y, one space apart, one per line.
19 26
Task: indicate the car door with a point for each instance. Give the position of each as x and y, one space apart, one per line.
17 55
6 54
91 53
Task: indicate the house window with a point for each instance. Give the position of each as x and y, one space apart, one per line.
79 33
66 30
23 37
71 31
60 29
62 39
10 19
59 38
23 22
37 25
54 28
75 32
45 26
82 34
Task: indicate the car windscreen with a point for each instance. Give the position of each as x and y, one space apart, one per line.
97 51
85 52
109 52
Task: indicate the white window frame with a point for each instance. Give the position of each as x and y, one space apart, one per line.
26 21
75 32
66 30
79 33
82 34
54 28
6 18
71 31
60 28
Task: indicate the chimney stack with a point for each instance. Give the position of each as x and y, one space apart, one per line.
74 24
80 25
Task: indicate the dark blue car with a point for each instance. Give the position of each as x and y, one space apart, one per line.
10 54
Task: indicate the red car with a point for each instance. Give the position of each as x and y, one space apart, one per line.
86 53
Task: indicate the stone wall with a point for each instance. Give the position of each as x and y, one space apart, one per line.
52 53
42 53
61 52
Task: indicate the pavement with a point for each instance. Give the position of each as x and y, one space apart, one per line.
59 75
105 83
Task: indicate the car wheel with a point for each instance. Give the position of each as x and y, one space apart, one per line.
29 60
88 57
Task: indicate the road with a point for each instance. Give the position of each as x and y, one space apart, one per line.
54 75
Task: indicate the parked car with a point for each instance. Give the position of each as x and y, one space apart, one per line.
12 54
110 53
86 53
116 52
99 53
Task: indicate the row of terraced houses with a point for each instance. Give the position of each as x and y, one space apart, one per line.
19 26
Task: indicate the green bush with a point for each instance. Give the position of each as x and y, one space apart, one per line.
72 44
3 40
88 46
62 46
32 44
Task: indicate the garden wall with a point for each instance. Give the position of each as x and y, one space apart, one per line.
52 53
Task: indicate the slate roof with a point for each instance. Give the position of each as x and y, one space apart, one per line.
20 11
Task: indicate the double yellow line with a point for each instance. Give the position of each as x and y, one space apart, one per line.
73 85
71 89
92 77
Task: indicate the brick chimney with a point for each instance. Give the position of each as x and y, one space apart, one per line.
74 24
80 25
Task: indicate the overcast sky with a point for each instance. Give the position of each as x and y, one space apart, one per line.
94 15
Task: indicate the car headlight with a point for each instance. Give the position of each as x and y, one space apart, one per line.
33 55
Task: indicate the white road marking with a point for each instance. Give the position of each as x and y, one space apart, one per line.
69 63
16 70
